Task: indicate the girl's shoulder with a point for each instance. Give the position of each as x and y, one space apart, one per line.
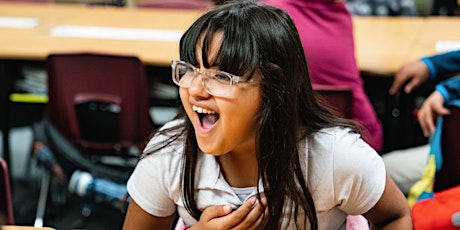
168 141
334 135
336 141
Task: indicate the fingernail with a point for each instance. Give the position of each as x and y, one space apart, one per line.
227 208
264 200
252 200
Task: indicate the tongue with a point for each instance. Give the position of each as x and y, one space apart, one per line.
209 120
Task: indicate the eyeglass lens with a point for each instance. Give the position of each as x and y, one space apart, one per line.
215 82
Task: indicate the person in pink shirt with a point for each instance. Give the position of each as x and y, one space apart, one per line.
326 31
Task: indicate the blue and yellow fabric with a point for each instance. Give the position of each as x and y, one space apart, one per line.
423 189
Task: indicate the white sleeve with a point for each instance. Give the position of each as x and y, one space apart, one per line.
359 174
149 183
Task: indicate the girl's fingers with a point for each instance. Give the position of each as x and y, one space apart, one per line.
256 216
262 217
216 211
242 212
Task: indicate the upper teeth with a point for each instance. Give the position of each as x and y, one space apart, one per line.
201 110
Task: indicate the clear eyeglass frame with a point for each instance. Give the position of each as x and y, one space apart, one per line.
215 82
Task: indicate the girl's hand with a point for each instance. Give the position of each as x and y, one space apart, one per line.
250 215
432 108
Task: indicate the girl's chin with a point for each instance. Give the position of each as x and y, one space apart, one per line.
215 154
210 151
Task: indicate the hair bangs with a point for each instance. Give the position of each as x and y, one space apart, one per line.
238 53
189 40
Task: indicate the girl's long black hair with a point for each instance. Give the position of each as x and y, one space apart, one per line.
262 39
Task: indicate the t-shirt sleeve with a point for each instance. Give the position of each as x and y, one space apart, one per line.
449 89
359 174
148 185
444 64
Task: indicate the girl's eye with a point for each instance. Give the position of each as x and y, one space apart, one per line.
222 77
186 72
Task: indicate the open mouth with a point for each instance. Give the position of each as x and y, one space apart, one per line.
207 118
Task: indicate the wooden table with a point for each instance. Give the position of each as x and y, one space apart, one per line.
17 227
435 29
383 44
37 43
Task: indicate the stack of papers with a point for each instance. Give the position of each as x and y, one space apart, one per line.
116 33
443 46
18 22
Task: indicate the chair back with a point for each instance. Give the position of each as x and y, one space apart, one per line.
177 4
6 201
449 175
338 99
30 1
98 101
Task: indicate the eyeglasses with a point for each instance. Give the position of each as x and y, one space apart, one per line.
215 82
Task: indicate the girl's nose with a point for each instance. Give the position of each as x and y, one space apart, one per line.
197 88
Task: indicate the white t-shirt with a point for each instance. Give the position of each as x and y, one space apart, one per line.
344 175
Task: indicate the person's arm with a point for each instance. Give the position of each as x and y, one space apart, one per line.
138 219
391 211
443 64
450 89
151 189
433 106
415 73
362 185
